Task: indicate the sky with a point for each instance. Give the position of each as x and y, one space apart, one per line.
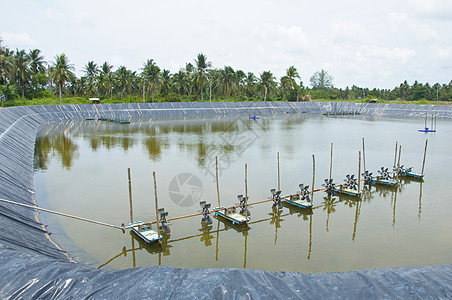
365 43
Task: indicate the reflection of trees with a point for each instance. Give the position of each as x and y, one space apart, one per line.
293 119
60 146
203 138
155 146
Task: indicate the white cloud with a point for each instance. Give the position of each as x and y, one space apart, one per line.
349 31
397 55
116 60
439 9
72 17
404 24
439 52
290 36
374 44
18 40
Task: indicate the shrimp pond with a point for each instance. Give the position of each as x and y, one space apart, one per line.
81 169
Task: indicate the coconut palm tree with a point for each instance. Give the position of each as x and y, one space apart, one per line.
201 66
214 77
165 82
227 77
37 63
91 70
106 80
180 82
239 77
21 69
122 80
6 65
61 71
266 81
37 67
151 74
291 74
284 85
250 83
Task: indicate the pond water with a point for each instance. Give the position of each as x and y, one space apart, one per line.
81 169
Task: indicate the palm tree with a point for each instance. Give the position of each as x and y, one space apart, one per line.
250 82
6 65
180 82
165 82
292 73
214 77
284 85
37 67
107 75
191 77
37 63
22 72
227 77
239 77
202 65
151 74
122 79
266 81
91 70
61 71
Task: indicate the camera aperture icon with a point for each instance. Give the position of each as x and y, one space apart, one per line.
185 189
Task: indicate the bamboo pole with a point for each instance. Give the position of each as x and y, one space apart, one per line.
216 179
215 210
313 177
279 186
359 171
331 161
425 153
364 158
156 206
400 154
395 155
130 195
246 195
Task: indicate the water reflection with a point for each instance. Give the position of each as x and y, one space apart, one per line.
60 146
243 229
279 231
329 205
227 139
155 248
408 180
207 235
275 219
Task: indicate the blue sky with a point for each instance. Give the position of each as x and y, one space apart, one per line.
367 43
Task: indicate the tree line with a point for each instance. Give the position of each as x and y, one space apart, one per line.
26 75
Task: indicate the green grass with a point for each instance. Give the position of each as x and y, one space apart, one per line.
158 98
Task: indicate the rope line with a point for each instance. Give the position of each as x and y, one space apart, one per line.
62 214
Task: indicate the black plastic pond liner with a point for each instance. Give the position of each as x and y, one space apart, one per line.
33 267
27 276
